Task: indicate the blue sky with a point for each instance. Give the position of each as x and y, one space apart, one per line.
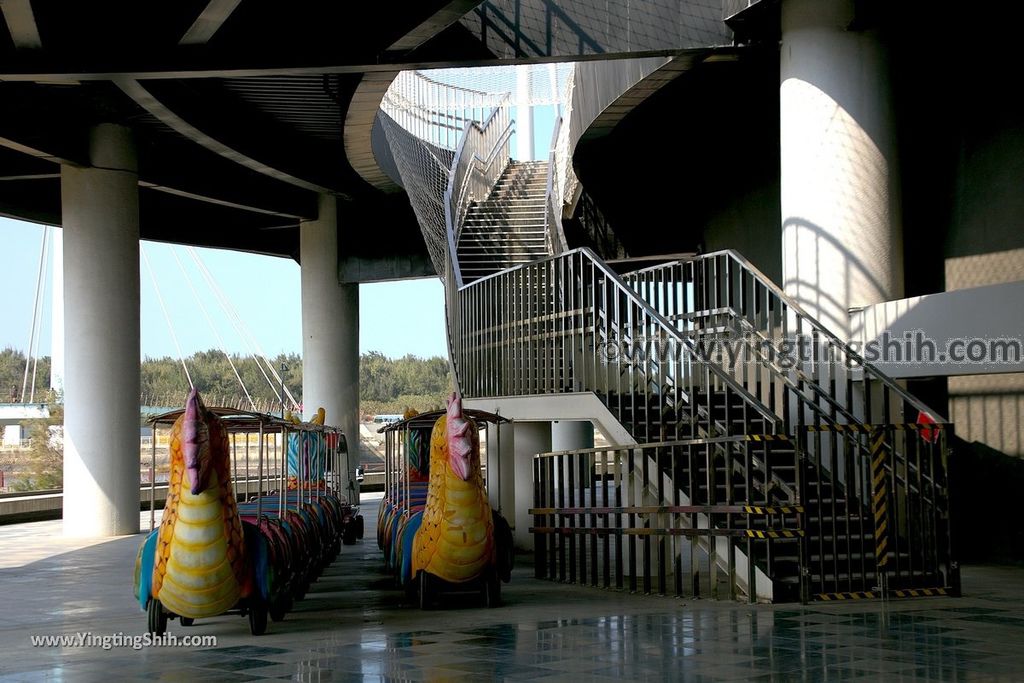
395 318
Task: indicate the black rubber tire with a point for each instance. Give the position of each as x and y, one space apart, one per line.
186 621
278 609
360 527
258 620
348 535
156 617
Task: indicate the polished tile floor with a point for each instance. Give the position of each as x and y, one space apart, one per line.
354 626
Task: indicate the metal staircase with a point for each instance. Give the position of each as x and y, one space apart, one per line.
874 491
508 228
812 473
792 477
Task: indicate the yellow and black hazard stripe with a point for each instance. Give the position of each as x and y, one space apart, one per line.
856 428
767 437
774 533
774 510
918 592
867 428
880 498
855 595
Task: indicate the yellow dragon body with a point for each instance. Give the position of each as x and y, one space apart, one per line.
455 541
200 563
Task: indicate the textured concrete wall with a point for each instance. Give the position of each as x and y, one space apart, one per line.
540 28
989 408
750 225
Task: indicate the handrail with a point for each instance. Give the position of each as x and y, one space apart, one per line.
614 278
468 158
554 200
797 308
868 368
481 166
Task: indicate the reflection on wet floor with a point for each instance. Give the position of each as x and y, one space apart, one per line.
355 626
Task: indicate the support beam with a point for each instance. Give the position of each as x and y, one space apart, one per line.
209 22
100 209
254 63
330 332
148 101
21 23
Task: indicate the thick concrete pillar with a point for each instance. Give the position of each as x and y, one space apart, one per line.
501 470
531 438
330 332
100 215
842 242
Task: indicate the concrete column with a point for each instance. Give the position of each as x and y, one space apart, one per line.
330 332
571 435
524 115
567 435
842 242
100 215
531 438
501 470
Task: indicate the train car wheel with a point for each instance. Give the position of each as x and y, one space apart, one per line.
156 617
258 620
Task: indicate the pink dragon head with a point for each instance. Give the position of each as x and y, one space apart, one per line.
196 435
461 439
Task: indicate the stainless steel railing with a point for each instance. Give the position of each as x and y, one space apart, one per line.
553 194
839 406
568 323
723 290
594 522
480 159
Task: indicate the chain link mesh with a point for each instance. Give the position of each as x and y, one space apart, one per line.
424 116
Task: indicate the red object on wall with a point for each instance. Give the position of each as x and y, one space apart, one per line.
927 434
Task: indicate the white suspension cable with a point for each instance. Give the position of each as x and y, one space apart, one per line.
39 324
242 329
35 315
232 318
216 332
167 317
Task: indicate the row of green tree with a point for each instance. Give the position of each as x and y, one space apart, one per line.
386 385
13 378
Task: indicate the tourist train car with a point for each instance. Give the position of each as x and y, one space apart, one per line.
435 525
246 527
